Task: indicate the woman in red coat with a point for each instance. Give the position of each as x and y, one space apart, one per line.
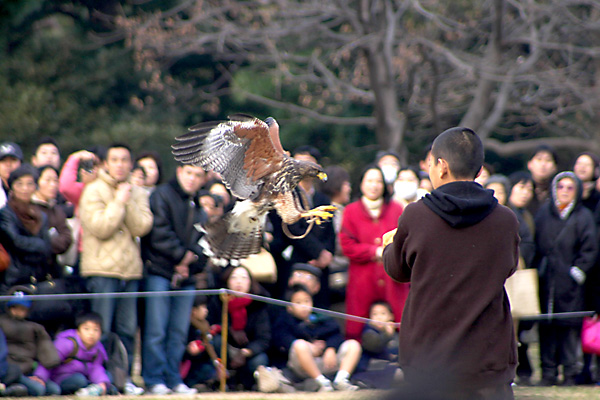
364 223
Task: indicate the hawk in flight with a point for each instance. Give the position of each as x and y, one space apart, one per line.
248 155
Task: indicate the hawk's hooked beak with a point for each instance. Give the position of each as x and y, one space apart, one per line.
322 176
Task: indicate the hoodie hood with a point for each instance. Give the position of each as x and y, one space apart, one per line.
565 212
462 203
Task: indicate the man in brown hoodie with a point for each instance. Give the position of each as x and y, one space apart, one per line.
457 246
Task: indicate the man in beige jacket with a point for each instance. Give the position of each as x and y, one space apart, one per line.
114 214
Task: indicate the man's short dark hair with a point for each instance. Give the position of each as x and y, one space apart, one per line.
46 140
89 317
546 148
462 149
308 149
119 145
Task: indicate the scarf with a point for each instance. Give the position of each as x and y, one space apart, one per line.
564 209
238 312
30 216
373 206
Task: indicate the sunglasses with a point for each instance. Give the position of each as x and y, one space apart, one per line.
569 188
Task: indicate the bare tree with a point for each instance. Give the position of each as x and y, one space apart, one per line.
517 71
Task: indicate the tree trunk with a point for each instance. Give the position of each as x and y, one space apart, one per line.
390 122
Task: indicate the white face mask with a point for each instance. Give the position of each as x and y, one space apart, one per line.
405 190
389 174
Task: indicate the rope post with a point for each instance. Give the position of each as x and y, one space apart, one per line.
224 335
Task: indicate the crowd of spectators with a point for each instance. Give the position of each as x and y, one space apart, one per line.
108 221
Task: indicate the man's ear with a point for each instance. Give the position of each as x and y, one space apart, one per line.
444 168
479 173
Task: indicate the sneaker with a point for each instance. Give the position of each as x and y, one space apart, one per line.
267 379
325 386
15 390
91 390
182 388
160 389
131 389
344 385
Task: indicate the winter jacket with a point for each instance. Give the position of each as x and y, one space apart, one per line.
527 244
457 247
28 343
58 229
110 229
60 237
3 356
379 344
258 327
360 237
89 362
67 181
562 243
318 327
31 255
173 232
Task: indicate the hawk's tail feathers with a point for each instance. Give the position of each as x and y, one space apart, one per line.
224 243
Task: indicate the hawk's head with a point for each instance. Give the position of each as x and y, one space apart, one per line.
309 169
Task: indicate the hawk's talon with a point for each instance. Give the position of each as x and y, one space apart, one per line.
319 214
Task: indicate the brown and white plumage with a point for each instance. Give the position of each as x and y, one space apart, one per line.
248 155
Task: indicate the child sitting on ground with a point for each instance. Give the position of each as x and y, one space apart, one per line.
201 366
28 345
82 356
10 374
315 344
379 336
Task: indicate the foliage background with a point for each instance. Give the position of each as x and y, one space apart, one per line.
90 72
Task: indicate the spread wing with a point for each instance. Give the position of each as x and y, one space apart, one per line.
241 150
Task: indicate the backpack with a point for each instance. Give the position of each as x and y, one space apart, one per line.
118 361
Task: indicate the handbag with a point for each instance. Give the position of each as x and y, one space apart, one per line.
523 293
43 311
590 335
262 266
4 259
69 257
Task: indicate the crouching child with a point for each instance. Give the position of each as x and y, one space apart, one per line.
29 345
81 370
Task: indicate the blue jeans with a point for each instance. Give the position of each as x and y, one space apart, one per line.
119 315
73 383
35 388
165 332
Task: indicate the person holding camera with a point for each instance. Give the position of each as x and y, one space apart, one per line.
172 257
80 169
114 215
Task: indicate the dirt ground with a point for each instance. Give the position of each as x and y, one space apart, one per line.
521 393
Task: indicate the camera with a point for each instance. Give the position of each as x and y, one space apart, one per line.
86 165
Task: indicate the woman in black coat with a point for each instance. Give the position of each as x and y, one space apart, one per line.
566 250
24 231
